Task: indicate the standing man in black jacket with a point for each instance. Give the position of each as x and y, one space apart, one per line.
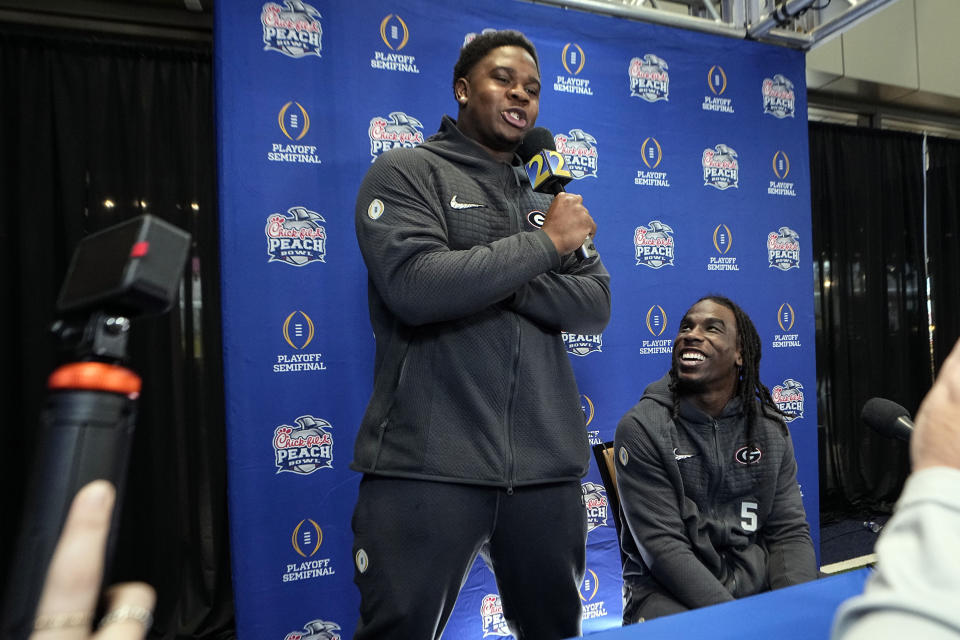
707 476
473 441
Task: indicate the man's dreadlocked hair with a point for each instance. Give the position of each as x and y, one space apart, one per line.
474 51
749 387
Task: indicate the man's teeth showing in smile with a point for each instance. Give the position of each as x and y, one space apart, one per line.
692 356
514 117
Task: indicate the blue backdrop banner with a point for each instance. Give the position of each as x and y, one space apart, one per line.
690 151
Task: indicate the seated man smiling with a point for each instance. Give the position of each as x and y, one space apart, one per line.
707 476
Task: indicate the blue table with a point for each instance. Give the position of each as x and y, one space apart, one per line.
802 612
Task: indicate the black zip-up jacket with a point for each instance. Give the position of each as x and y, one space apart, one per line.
708 518
467 300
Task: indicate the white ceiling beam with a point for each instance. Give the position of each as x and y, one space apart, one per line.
779 22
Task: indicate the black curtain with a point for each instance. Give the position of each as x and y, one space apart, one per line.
872 336
95 130
943 242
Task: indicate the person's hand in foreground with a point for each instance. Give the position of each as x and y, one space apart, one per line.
936 437
71 590
916 587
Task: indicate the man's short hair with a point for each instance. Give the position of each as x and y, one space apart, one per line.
476 49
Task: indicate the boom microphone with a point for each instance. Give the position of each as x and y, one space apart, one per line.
547 170
887 418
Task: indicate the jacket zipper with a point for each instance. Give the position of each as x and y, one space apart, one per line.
508 421
510 402
719 462
715 485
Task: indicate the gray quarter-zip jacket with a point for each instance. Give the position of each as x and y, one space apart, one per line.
468 298
708 519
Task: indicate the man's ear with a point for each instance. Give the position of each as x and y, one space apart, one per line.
461 90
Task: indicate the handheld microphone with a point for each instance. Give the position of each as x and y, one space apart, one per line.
887 418
548 173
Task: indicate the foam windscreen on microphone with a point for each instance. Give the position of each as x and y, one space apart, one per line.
884 415
536 140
